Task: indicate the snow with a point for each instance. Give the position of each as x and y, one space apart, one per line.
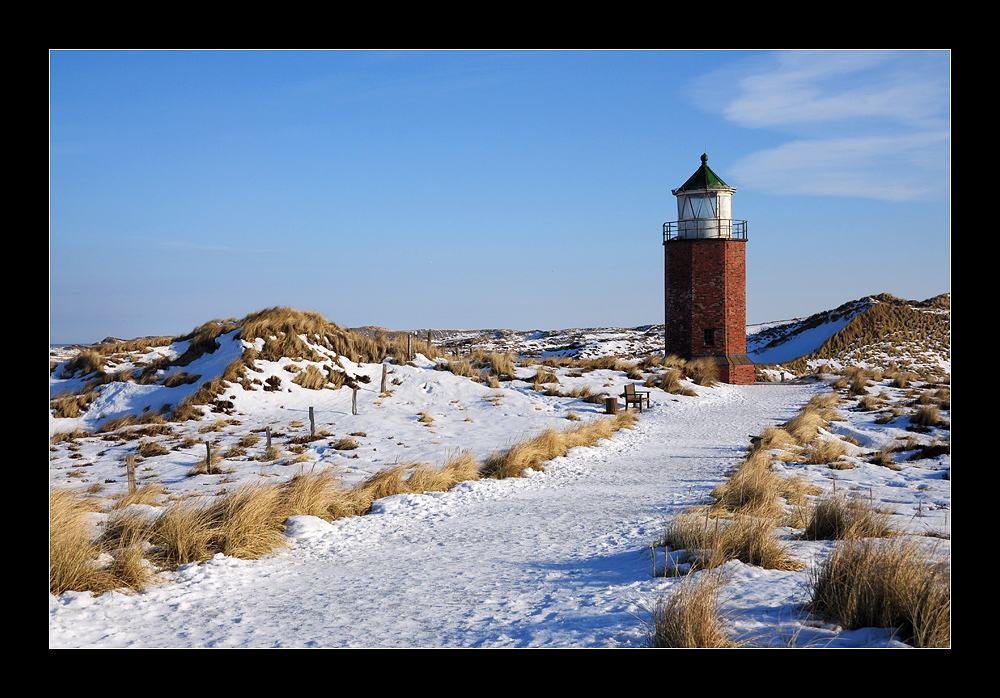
797 345
558 559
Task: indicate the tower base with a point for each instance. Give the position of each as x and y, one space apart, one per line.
735 369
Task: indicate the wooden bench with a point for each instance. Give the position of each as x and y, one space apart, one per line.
632 397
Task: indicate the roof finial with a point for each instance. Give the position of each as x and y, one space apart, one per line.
704 158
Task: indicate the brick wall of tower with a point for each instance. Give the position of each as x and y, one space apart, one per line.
705 289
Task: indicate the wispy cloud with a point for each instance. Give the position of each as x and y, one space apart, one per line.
874 124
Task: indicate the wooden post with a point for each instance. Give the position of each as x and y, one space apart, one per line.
384 371
354 402
130 468
208 454
312 424
409 351
267 430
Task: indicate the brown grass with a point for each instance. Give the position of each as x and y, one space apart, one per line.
703 372
690 617
753 489
709 543
838 517
886 583
75 550
669 381
531 453
311 378
822 451
249 522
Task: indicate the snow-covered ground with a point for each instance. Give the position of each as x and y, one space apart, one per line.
557 559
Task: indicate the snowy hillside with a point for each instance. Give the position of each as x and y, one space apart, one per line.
560 556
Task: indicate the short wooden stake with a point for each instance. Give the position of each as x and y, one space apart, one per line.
267 430
312 424
384 371
130 468
354 402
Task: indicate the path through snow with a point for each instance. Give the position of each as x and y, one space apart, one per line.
559 559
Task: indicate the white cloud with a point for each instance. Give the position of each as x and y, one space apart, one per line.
890 168
863 123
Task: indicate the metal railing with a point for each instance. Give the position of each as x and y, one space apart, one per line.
705 228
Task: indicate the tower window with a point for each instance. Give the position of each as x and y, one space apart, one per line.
710 336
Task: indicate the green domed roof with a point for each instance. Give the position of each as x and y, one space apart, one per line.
703 178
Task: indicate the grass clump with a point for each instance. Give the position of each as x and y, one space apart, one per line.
883 583
753 489
311 378
709 543
81 560
690 617
842 518
531 453
670 381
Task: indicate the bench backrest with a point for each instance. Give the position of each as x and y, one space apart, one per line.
630 390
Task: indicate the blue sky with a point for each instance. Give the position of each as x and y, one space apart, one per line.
475 189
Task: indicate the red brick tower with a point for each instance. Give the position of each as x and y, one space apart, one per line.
704 263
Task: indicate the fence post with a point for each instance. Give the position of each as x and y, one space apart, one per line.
384 371
267 430
312 424
354 402
130 468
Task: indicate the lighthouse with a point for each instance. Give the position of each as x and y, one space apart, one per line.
704 268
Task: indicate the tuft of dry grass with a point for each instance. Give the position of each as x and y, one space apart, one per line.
822 451
670 382
149 449
249 522
80 560
927 416
886 583
531 453
709 543
805 426
753 488
703 372
311 378
838 517
181 534
72 551
691 617
148 495
315 493
345 444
